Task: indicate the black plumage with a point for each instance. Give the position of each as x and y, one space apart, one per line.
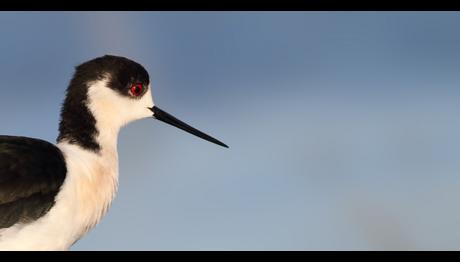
31 174
78 125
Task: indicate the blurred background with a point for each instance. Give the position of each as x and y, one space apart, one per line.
343 126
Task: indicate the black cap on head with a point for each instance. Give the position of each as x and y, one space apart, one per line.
122 72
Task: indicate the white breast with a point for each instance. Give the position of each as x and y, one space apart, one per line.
89 188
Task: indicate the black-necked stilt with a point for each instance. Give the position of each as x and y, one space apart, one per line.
51 195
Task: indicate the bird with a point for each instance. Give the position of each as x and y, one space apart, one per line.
52 194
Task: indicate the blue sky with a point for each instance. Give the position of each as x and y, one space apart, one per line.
342 126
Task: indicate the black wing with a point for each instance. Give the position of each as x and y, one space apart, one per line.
31 173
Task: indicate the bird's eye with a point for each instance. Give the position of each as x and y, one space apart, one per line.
136 89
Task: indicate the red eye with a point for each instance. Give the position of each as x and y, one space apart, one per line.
136 89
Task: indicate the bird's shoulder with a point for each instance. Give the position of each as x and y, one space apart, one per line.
31 174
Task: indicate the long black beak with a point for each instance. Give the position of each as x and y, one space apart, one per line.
169 119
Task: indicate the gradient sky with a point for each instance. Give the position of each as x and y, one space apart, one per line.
342 126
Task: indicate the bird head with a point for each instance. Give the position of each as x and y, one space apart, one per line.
107 93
